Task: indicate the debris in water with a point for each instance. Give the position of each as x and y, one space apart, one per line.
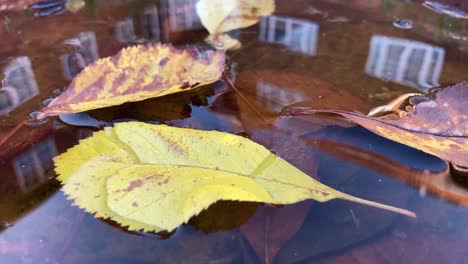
446 9
33 121
403 23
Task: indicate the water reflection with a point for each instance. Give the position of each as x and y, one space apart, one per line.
151 24
30 166
125 31
84 52
297 34
182 15
19 84
275 98
412 63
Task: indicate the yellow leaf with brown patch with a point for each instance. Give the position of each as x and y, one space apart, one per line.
156 177
438 125
135 74
219 16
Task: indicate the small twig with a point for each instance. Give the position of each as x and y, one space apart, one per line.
13 131
229 82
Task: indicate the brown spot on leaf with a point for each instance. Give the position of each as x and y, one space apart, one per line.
185 85
163 61
134 184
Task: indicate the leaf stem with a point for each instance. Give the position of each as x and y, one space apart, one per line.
13 131
377 205
229 82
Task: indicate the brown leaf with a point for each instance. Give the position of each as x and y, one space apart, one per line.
135 74
438 126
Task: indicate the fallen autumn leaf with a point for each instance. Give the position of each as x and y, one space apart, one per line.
135 74
156 177
438 126
219 16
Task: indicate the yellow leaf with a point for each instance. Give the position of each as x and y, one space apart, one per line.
156 177
219 16
223 42
135 74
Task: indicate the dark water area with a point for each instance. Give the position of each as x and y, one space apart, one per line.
349 55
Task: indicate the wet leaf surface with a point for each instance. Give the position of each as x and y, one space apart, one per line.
135 74
43 227
219 16
155 178
438 126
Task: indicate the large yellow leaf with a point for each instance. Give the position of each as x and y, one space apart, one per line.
219 16
156 177
135 74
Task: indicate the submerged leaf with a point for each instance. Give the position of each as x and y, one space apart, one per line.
437 126
219 16
155 177
135 74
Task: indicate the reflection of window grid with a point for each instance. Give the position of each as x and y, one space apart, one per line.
275 98
125 31
8 99
151 27
88 46
19 84
182 15
85 53
407 62
297 34
31 166
72 64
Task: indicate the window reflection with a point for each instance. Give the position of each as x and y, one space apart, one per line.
183 15
125 31
19 84
297 34
406 62
31 165
275 98
151 28
84 52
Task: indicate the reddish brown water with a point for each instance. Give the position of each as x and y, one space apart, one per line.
320 54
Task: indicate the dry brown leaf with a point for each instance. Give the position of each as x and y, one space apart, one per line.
438 126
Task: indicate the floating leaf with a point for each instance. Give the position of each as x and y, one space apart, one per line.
135 74
437 126
219 16
223 42
155 177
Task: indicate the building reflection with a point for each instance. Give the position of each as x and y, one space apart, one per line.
84 52
32 165
297 34
274 98
19 84
182 15
125 31
151 24
406 62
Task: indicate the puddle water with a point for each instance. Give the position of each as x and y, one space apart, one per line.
349 55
